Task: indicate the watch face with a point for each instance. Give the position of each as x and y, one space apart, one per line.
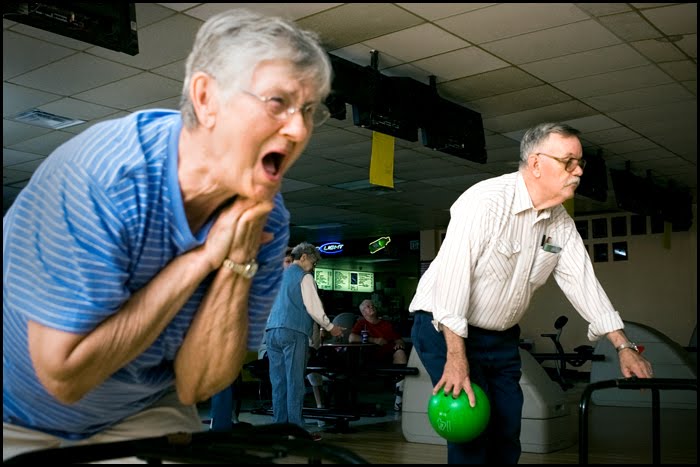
250 269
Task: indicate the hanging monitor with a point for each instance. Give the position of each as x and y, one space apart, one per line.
111 25
454 129
594 181
389 109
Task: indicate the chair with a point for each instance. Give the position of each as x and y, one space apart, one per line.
345 320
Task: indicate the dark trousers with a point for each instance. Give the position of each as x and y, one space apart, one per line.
494 365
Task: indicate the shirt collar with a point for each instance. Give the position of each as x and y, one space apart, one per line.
523 202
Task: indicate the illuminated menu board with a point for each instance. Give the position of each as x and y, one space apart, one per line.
353 281
324 278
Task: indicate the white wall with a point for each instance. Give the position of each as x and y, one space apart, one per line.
656 286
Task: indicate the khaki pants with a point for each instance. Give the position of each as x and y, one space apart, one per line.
166 416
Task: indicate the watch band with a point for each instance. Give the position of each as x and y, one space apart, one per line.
627 345
246 270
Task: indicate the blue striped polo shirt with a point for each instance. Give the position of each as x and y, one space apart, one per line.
98 220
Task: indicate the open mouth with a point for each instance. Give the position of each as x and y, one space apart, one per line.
272 162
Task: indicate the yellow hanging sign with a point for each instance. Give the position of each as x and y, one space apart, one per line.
381 166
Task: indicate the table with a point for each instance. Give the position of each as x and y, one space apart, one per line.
346 370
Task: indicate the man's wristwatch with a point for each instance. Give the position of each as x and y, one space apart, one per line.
627 345
246 270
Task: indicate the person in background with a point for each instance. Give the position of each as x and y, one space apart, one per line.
140 259
315 379
288 259
289 328
391 350
506 236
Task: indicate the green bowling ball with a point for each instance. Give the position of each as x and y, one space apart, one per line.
457 421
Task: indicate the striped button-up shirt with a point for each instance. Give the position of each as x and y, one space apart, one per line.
497 251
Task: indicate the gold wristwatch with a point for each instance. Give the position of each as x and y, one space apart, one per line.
246 270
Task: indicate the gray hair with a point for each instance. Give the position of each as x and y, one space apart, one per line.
364 303
538 134
231 44
308 249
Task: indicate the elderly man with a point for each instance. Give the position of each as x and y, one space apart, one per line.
505 237
381 332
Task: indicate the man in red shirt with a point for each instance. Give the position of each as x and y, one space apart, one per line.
381 332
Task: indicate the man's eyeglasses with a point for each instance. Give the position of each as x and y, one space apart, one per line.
279 108
570 164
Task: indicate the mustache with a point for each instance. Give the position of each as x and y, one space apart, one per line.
574 181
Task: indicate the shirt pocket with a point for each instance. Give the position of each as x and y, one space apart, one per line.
544 264
503 261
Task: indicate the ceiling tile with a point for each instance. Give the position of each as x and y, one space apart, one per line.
74 79
682 70
601 9
640 98
630 145
11 176
504 20
50 37
409 44
555 42
160 43
508 103
15 132
616 81
592 123
658 51
179 6
175 70
630 26
487 84
11 157
460 63
288 10
17 99
601 137
73 108
42 144
137 90
689 45
357 22
14 62
149 13
589 63
433 11
681 18
528 118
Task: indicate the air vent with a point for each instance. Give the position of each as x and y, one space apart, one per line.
43 119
